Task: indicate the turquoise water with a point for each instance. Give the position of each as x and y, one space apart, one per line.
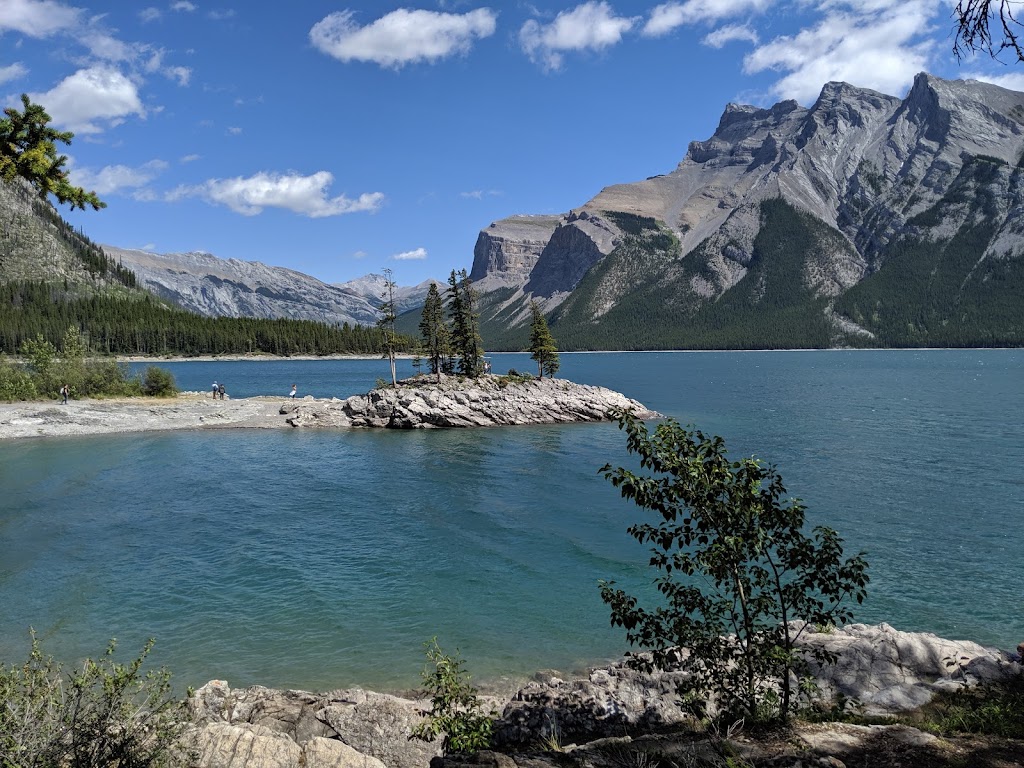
325 559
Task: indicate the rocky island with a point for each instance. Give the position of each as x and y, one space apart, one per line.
452 402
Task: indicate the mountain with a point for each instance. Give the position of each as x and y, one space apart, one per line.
208 285
372 288
864 219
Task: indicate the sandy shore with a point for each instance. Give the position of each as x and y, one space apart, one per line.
137 414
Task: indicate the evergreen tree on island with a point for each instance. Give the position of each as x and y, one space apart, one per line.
386 323
28 149
542 344
435 334
465 335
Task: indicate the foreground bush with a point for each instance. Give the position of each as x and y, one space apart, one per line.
455 713
739 580
102 714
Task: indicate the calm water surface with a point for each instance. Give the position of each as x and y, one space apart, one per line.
325 559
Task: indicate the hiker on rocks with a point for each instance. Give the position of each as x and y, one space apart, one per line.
220 391
64 391
294 390
216 390
1019 655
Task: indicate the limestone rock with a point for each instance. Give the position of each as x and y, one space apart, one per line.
488 401
220 745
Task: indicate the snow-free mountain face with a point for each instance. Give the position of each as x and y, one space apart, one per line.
373 288
846 186
203 283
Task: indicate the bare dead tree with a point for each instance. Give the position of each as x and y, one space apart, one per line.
974 22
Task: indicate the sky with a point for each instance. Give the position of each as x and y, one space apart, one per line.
343 138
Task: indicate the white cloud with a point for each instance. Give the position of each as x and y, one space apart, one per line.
90 98
114 178
360 255
667 17
181 75
1013 81
13 71
403 36
415 255
478 194
590 26
38 18
305 195
221 15
183 5
189 158
873 45
147 15
730 34
234 130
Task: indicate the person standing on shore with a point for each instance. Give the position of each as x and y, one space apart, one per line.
293 392
216 390
221 391
64 391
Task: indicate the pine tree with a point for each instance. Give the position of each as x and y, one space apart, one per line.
386 323
465 335
434 332
542 343
28 149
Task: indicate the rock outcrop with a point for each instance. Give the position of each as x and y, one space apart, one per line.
610 712
488 401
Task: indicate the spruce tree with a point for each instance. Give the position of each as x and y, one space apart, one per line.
434 332
28 149
465 335
542 343
386 323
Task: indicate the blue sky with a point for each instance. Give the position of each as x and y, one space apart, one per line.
339 138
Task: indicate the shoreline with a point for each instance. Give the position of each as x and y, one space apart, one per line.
246 358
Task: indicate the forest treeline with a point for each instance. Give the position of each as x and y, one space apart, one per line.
137 323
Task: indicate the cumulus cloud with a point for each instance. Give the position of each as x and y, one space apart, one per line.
590 26
147 15
414 255
667 17
91 99
305 195
38 18
1013 81
730 34
180 75
189 158
872 44
115 178
12 71
183 5
402 36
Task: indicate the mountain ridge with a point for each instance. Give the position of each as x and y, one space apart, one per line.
871 168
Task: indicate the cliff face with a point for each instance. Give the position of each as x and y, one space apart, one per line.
872 169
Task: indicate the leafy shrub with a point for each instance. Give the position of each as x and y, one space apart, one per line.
102 714
158 382
739 579
15 382
455 711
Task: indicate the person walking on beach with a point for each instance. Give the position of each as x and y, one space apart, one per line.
64 393
216 390
294 390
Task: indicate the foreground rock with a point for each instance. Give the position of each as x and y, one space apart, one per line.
488 401
612 713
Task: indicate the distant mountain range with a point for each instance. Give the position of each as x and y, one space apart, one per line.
203 283
863 220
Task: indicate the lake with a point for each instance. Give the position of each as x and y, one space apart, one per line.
325 559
